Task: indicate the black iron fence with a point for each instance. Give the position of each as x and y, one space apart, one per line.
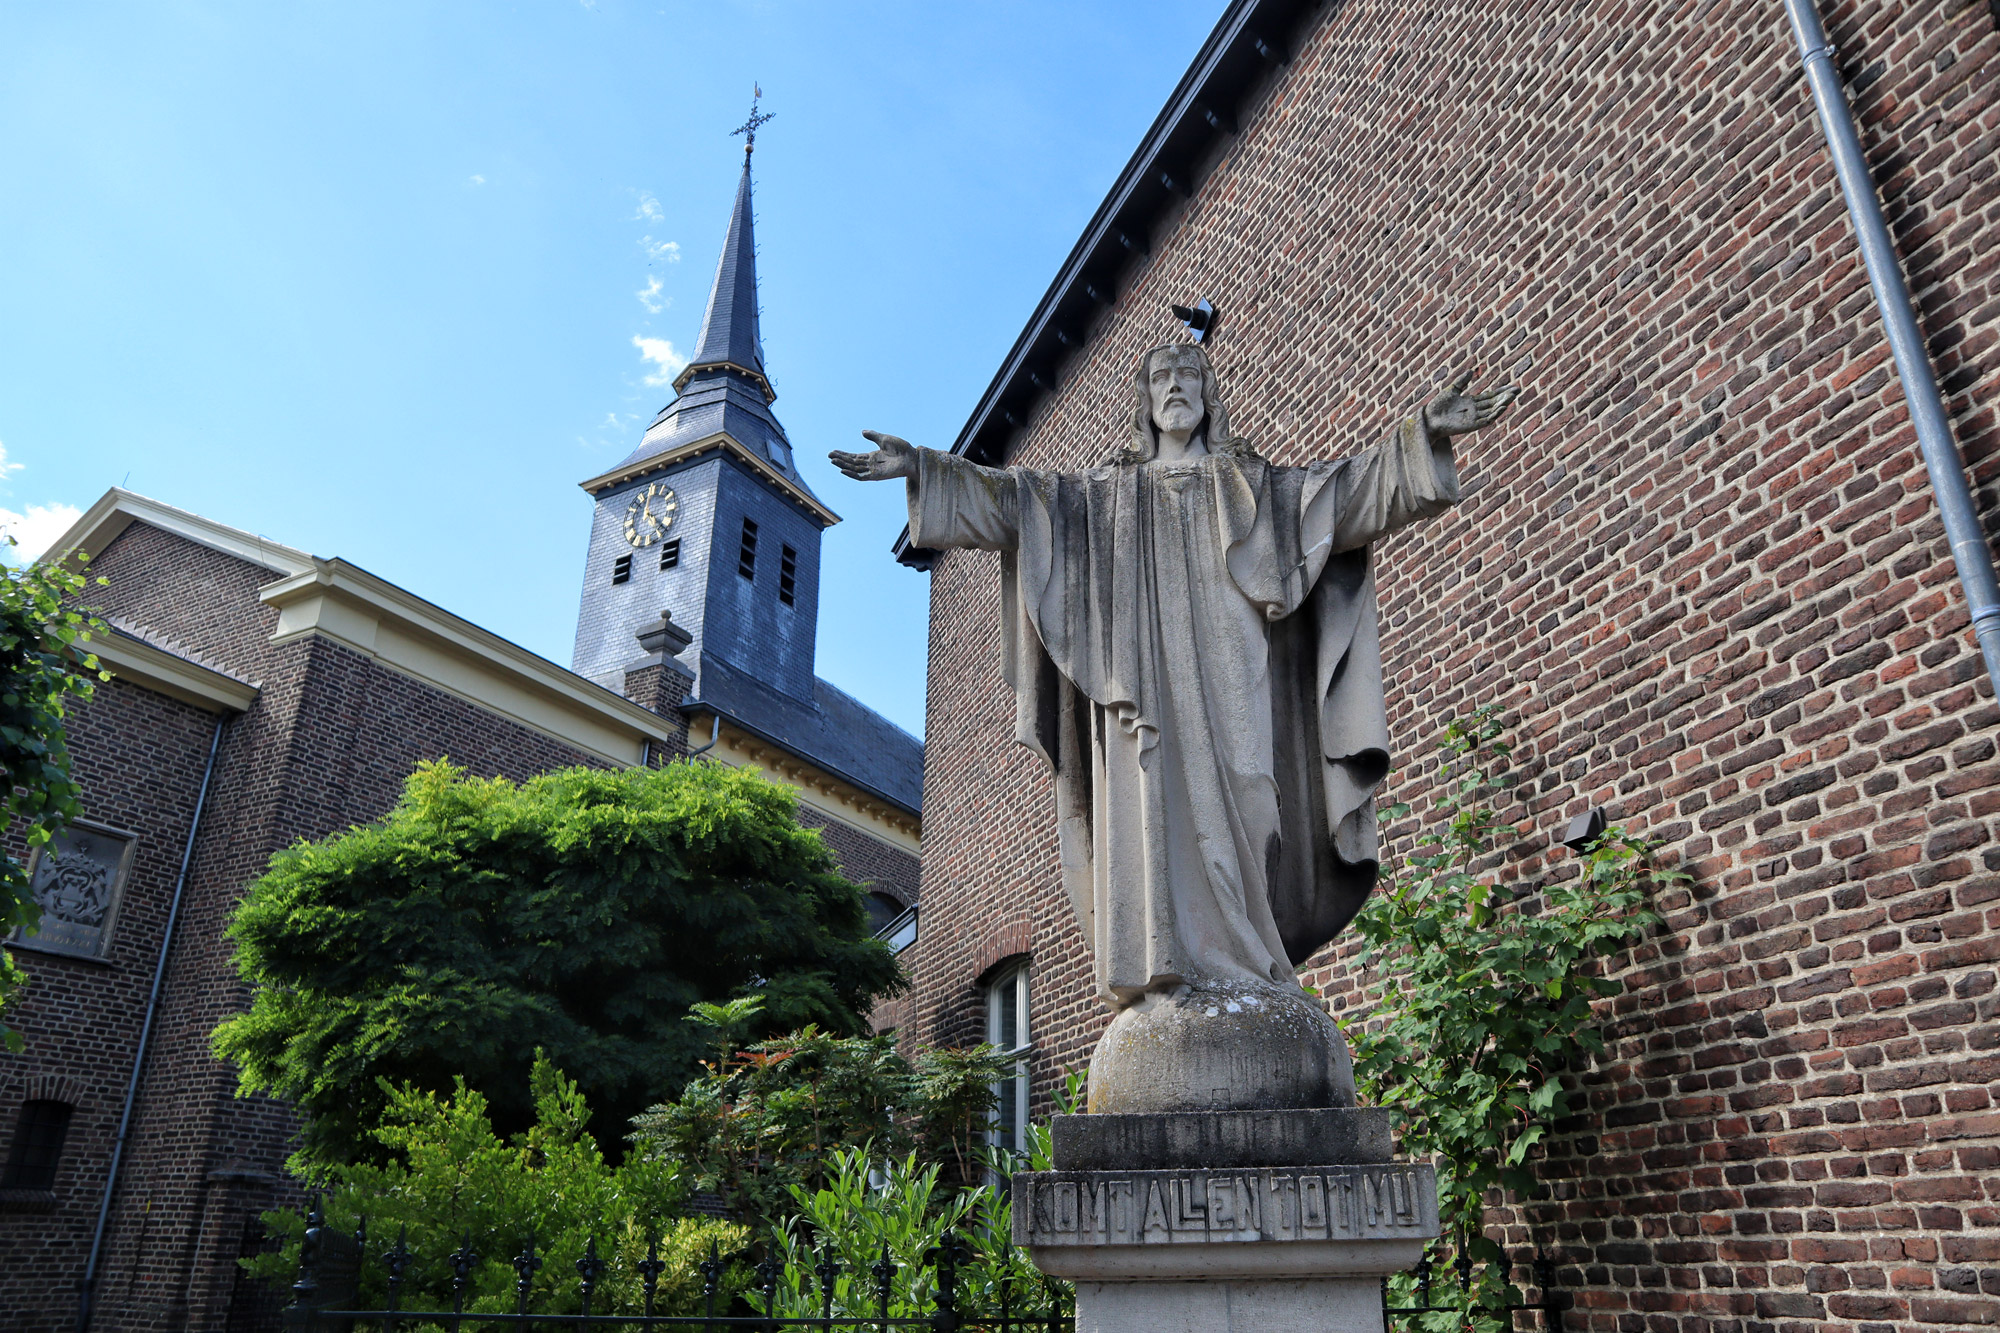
334 1264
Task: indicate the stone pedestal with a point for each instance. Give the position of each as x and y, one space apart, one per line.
1203 1223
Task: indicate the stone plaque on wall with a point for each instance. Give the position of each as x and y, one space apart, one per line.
79 878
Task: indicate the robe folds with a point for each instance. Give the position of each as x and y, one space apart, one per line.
1193 650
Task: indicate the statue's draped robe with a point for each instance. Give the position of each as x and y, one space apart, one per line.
1193 650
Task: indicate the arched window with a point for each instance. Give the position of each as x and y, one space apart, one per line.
1007 1028
882 909
892 922
39 1131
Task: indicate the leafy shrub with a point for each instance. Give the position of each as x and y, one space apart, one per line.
43 671
762 1121
453 1182
1485 999
870 1212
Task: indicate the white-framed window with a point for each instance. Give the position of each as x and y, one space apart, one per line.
1007 1028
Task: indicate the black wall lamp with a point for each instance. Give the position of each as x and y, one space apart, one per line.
1199 317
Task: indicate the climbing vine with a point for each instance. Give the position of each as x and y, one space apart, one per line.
1485 998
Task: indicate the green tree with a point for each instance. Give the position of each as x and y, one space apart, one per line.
43 671
1484 1001
453 1182
764 1122
582 911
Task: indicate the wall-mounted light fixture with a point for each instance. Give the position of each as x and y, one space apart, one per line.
1585 829
1199 317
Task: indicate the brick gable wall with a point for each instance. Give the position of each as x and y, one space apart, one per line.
1699 567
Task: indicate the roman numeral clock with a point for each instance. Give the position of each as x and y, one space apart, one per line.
650 514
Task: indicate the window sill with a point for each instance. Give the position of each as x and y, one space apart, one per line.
27 1201
29 946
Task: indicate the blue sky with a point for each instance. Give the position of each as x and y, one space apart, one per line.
379 279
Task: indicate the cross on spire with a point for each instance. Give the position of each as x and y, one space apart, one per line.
748 129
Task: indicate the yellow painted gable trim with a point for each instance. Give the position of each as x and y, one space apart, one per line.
836 799
414 637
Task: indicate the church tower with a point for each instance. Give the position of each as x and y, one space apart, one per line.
709 519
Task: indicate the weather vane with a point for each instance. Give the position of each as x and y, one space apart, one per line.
748 129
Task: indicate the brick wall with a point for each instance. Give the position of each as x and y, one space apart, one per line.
1699 566
139 757
864 859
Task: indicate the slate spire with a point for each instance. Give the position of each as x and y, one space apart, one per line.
724 389
729 337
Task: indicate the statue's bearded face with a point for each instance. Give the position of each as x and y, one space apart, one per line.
1173 383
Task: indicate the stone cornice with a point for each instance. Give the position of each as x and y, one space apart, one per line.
408 634
117 509
718 441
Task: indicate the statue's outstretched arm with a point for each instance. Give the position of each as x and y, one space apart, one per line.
1409 477
953 501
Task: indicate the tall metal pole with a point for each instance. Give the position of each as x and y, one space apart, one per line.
1969 550
86 1291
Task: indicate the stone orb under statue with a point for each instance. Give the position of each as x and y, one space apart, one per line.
1221 1046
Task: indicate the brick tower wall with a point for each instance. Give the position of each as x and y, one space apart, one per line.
1698 566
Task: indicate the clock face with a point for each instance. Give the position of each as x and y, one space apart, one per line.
650 514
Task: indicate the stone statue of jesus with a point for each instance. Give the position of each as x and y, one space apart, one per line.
1190 632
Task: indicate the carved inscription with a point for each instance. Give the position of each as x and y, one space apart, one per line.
1389 1201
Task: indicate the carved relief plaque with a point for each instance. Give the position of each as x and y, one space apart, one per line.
79 878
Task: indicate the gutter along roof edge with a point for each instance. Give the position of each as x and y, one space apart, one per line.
695 708
1251 37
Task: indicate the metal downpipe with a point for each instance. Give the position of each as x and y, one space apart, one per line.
1969 550
87 1288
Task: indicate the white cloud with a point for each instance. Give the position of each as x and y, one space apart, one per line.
649 208
669 251
35 531
662 354
478 180
649 297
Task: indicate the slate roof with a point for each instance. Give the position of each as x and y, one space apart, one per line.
714 393
729 328
836 731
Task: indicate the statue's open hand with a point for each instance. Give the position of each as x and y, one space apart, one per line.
1454 412
892 457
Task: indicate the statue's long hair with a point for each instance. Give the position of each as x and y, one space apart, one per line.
1143 440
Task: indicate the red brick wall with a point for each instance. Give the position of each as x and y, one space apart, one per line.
139 757
864 859
1699 566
